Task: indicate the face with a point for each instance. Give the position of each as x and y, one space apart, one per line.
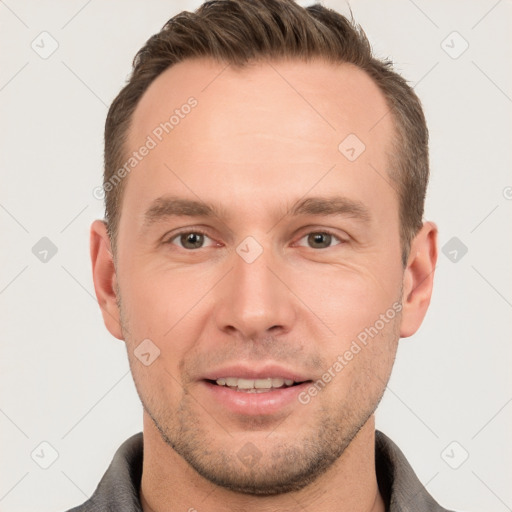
264 263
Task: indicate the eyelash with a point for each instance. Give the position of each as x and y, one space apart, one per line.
336 237
204 233
187 232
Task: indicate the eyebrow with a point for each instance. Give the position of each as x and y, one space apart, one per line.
169 206
335 205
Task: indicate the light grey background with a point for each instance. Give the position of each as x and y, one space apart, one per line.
65 381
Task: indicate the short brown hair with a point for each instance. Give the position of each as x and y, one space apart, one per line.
238 32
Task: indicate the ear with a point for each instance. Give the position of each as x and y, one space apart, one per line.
418 279
104 277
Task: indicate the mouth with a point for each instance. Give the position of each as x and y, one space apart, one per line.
260 385
255 390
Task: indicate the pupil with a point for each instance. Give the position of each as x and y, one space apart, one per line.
192 240
320 239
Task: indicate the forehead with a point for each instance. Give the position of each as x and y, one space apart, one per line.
317 100
216 129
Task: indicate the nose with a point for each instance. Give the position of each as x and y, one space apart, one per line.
254 300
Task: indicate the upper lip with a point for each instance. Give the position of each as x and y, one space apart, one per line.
253 372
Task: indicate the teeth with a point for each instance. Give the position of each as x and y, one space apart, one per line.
262 383
245 383
252 385
277 383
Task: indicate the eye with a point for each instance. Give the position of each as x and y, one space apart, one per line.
320 240
190 240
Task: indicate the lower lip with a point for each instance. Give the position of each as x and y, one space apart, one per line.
255 404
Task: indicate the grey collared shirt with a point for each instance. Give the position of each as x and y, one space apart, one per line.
118 490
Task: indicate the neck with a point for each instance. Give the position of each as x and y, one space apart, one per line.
169 483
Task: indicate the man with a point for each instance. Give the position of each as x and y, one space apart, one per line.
263 252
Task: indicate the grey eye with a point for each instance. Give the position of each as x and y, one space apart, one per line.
192 240
319 240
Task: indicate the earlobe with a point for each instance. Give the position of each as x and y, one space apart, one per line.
104 277
418 279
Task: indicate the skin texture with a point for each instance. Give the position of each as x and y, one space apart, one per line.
259 140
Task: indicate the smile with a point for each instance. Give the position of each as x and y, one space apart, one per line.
254 385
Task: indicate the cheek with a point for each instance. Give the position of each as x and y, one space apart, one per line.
349 299
361 309
360 367
157 301
168 308
162 311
